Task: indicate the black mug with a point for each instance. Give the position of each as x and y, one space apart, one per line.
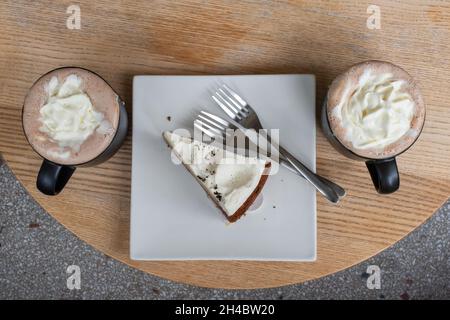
383 171
53 177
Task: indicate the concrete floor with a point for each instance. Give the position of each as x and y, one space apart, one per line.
35 251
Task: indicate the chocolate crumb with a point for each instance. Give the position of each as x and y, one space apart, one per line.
274 207
218 195
169 118
215 187
34 225
201 178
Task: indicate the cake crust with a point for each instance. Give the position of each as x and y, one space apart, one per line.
243 209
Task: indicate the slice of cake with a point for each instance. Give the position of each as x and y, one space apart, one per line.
231 180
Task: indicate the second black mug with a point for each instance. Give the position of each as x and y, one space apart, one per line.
53 174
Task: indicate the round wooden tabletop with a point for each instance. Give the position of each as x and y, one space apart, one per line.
120 39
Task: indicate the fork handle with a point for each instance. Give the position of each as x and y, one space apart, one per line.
329 189
317 181
337 188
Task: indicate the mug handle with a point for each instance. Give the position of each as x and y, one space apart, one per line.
53 177
384 174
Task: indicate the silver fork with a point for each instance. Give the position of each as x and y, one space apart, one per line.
215 126
244 117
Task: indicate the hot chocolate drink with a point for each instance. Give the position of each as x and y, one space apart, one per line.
70 116
375 109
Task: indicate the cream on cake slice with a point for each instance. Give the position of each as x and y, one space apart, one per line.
231 180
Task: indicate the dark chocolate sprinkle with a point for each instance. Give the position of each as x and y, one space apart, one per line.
218 195
201 178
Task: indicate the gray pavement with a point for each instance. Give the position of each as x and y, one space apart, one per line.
35 251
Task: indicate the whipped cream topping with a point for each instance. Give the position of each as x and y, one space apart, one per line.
68 117
376 112
229 177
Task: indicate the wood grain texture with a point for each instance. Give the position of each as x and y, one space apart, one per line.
120 39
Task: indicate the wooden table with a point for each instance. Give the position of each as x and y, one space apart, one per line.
118 40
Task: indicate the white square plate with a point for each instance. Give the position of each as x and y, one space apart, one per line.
171 216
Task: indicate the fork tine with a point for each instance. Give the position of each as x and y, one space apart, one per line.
225 108
243 111
210 128
211 122
230 98
226 99
235 95
204 130
218 119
